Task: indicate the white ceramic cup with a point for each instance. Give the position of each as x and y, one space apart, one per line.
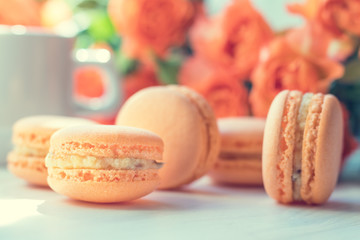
36 69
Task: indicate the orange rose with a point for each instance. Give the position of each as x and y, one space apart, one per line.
144 77
232 39
337 16
281 67
315 40
20 12
226 95
151 25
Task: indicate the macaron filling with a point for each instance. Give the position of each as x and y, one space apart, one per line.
92 162
302 136
299 134
30 151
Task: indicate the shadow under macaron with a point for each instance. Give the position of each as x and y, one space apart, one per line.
337 206
20 189
330 206
64 208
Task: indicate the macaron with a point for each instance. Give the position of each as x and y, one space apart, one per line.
31 139
239 161
302 147
104 164
187 125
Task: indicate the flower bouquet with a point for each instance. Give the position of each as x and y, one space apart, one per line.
233 58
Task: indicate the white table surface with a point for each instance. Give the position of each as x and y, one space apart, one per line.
201 211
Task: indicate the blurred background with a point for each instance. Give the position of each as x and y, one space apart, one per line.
238 54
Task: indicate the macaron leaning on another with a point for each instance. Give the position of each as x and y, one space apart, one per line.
104 164
239 160
187 125
31 139
302 147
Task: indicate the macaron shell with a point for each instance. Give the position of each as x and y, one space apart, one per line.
103 192
212 136
103 175
241 135
31 169
328 152
107 141
237 171
276 184
36 131
184 121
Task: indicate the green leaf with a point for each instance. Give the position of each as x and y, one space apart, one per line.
124 64
101 27
84 40
352 71
80 5
115 42
346 92
168 69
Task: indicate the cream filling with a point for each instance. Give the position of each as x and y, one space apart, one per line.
91 162
299 135
29 151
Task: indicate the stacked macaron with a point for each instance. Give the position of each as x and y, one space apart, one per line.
239 160
31 139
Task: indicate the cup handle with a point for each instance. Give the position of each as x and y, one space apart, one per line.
108 104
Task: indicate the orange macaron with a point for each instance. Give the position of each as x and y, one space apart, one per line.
302 147
31 139
104 164
185 122
239 160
